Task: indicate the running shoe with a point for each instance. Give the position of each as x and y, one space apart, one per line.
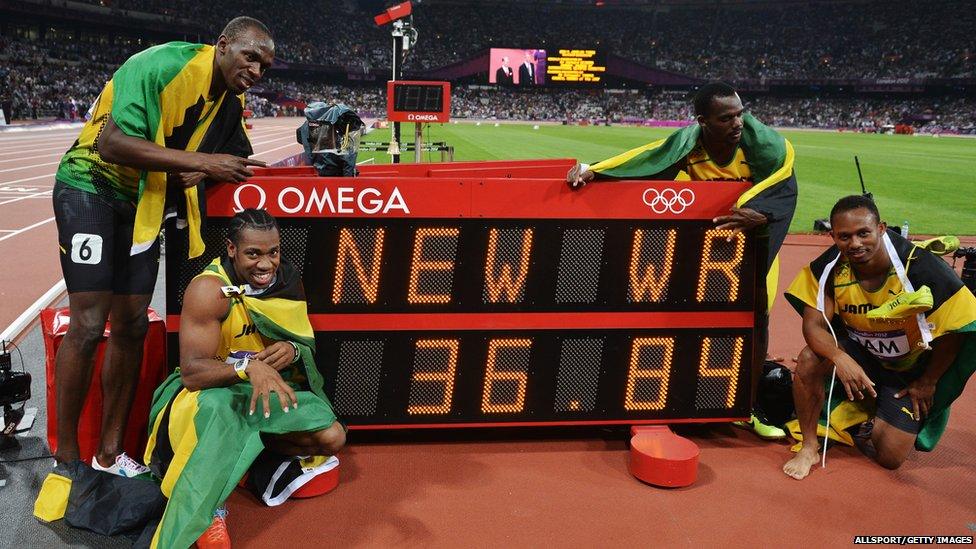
940 245
124 466
762 430
216 536
905 305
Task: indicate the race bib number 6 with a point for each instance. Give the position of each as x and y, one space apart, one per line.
86 248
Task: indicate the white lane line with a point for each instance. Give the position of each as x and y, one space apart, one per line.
15 181
35 195
277 148
272 140
61 147
22 158
58 135
25 229
7 230
51 176
29 167
27 317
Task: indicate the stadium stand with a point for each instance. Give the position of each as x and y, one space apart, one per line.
878 61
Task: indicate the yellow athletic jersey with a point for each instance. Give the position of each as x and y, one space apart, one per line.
238 334
699 166
897 344
240 337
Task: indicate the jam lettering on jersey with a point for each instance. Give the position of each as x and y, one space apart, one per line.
861 309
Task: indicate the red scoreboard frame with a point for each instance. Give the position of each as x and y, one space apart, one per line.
418 101
475 295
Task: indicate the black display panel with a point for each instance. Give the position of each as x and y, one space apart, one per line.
476 322
418 98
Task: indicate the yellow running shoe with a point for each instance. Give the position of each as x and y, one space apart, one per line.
763 430
940 245
905 305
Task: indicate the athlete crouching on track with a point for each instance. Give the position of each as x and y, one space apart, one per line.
886 300
171 114
247 381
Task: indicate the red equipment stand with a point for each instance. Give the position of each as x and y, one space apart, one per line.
662 458
54 324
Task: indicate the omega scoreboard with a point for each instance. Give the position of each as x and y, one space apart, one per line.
417 101
481 301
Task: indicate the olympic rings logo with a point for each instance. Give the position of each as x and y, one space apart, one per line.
669 200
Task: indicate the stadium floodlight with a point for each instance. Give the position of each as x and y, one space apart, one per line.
393 13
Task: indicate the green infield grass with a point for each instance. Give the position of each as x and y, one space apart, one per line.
929 182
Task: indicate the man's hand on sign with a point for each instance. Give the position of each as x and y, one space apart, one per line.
852 376
578 176
229 168
278 355
264 381
740 220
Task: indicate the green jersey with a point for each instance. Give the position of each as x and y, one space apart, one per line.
161 95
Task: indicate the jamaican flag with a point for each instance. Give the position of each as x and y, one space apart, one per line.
770 158
161 95
201 443
953 311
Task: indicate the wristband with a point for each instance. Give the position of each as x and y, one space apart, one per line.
240 368
298 352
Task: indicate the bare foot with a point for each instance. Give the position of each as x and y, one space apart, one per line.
799 467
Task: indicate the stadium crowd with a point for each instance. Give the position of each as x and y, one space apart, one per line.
726 41
60 78
480 102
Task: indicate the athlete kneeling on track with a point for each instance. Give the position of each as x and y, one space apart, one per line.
247 382
896 324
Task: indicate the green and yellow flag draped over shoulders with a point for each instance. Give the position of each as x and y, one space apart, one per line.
162 95
953 311
201 443
770 158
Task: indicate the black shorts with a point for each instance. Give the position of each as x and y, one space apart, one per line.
95 236
897 412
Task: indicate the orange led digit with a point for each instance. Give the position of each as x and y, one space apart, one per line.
492 376
730 268
418 265
445 376
730 372
652 283
504 282
370 283
661 373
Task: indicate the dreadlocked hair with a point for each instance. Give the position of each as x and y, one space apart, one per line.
258 220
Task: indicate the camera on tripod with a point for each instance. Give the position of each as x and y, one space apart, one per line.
14 387
968 266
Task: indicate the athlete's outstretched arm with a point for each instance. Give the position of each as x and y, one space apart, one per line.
204 309
116 147
819 339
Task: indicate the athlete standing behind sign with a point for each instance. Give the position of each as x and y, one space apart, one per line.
149 127
726 144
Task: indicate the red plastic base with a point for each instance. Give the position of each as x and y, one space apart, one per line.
322 484
662 458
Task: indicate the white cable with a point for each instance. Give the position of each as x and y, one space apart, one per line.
821 305
833 378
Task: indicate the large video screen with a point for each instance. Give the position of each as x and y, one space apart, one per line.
535 67
512 67
572 66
